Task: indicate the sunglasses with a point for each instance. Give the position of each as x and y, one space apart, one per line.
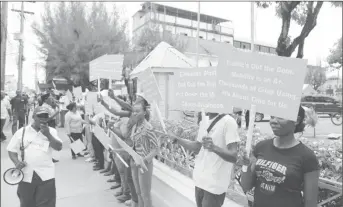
43 115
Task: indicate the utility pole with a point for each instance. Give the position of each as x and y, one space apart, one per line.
4 16
21 45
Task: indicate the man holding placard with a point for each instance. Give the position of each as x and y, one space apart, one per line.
217 146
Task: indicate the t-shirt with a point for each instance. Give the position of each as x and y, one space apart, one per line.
19 104
5 105
211 172
280 174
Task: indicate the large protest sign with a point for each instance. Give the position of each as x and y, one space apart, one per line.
136 157
106 66
149 86
272 83
195 89
151 92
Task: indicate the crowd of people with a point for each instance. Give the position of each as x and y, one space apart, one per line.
282 170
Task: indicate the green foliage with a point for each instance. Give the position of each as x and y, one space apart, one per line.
70 37
335 56
315 76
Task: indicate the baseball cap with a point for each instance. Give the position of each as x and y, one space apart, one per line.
40 110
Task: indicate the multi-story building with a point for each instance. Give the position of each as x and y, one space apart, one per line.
214 32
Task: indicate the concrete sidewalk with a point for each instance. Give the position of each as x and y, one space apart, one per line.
76 182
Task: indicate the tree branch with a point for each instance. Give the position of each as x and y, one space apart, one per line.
301 49
311 22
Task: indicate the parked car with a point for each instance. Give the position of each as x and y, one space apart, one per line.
322 104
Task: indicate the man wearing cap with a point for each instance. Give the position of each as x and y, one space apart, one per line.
5 113
39 140
19 111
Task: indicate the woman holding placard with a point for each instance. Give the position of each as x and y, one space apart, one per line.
73 125
146 144
283 171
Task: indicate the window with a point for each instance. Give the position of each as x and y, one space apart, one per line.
257 48
265 49
272 50
245 46
237 44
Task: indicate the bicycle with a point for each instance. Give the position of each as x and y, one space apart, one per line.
336 118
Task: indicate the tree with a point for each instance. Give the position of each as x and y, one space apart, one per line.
70 38
335 56
315 76
304 14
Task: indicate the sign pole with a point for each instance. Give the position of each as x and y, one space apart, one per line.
252 111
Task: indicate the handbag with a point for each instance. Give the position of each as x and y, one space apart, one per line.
77 146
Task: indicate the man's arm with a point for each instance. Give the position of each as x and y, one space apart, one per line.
123 104
115 112
229 154
13 149
55 142
194 146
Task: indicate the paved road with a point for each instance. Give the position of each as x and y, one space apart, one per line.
77 184
323 128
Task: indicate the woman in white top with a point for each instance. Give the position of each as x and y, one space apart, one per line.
73 125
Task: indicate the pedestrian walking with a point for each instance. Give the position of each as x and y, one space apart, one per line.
19 111
74 125
38 140
6 114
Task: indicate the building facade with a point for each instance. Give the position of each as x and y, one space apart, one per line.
212 30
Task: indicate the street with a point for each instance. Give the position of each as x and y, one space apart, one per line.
76 182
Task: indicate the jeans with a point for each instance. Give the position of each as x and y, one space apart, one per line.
18 117
38 193
142 182
207 199
75 137
128 187
3 122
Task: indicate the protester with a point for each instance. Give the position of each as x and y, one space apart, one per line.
5 114
217 154
38 186
64 102
73 125
19 104
146 144
283 170
48 102
128 190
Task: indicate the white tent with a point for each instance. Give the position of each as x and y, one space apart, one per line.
308 90
163 56
334 73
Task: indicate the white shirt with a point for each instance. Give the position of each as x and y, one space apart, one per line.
38 153
65 101
5 105
211 172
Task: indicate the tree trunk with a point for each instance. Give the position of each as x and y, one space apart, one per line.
311 21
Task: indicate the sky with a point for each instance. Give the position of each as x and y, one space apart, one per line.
268 26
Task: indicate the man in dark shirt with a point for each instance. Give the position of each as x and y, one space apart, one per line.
19 110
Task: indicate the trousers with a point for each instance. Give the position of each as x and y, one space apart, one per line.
38 193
